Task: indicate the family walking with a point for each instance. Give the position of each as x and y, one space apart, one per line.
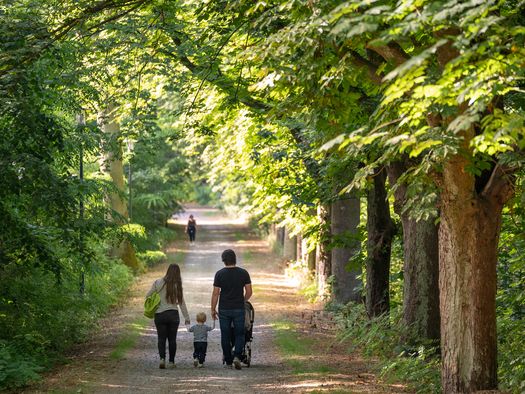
231 289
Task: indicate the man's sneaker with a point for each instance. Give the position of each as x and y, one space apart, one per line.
162 364
195 362
200 365
171 365
237 363
228 366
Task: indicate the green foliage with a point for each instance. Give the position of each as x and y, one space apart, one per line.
263 105
129 338
16 368
39 318
152 257
296 349
380 338
510 298
156 188
133 232
511 355
156 239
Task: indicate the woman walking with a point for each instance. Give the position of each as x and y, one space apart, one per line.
167 315
191 228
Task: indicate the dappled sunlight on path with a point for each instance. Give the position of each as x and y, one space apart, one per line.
94 370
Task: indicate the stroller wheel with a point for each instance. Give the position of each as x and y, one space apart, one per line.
249 355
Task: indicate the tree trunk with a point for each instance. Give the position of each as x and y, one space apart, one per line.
468 241
280 239
299 248
345 220
310 258
380 233
421 277
111 164
323 257
290 246
420 267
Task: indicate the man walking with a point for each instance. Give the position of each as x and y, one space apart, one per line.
231 288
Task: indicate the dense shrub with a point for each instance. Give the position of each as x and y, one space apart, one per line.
380 338
152 257
511 299
40 317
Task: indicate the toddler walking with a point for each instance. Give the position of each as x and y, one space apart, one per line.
200 339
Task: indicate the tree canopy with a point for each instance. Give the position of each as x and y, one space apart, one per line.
115 112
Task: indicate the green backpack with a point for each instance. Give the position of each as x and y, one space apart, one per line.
151 304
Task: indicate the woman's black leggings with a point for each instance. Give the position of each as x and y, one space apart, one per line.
191 233
167 324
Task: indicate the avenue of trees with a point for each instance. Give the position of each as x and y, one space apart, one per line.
379 142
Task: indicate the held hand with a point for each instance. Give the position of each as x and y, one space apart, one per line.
214 314
187 322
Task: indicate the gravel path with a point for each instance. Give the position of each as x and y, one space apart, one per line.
138 371
92 369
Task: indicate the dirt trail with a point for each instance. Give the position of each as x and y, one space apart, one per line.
92 370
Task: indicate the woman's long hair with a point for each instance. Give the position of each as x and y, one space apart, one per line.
173 284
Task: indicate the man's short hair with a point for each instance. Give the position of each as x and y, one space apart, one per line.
228 257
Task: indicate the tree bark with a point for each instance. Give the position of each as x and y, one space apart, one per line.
345 220
111 164
280 238
310 258
420 267
290 246
323 256
380 233
468 241
299 248
421 277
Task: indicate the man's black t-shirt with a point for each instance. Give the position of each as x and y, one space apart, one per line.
231 282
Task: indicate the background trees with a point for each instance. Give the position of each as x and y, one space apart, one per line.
301 114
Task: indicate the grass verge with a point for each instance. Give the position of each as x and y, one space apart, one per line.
299 351
129 338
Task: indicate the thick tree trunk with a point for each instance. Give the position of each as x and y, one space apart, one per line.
308 258
323 257
111 164
311 257
468 240
345 220
380 233
421 277
290 246
420 267
299 248
280 239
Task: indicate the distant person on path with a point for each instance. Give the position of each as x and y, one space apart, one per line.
191 228
232 286
167 318
200 339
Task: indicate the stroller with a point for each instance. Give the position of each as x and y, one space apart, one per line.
249 316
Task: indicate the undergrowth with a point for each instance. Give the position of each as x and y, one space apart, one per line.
40 318
129 338
416 365
42 314
297 350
